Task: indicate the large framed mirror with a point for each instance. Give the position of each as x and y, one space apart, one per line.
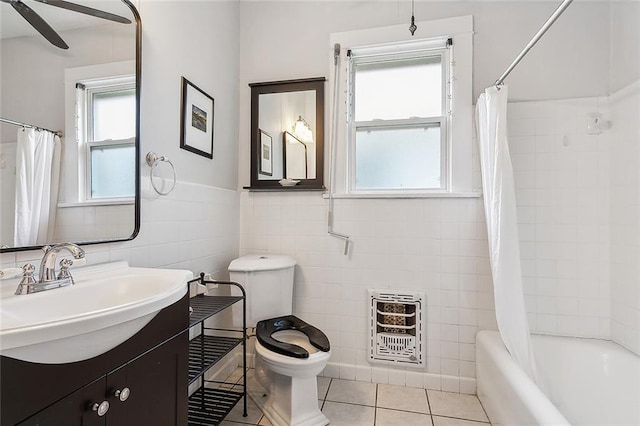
80 105
287 135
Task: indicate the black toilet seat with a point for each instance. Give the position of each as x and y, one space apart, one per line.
266 328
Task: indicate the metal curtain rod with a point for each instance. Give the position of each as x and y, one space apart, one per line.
534 40
30 126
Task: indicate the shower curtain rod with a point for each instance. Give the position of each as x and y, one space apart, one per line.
30 126
534 40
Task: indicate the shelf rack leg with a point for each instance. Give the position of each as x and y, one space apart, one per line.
244 351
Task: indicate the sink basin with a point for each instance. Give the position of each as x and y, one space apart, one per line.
108 304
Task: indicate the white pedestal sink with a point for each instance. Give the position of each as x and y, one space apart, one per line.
108 304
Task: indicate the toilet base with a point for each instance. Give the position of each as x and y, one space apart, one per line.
295 403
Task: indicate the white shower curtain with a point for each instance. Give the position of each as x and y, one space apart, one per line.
502 226
37 179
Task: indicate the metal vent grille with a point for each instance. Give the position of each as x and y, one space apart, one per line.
396 327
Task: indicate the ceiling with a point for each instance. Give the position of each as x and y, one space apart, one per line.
14 25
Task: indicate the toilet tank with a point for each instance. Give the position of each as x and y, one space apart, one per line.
268 282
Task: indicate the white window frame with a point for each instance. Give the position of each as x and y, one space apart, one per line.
74 174
393 52
459 142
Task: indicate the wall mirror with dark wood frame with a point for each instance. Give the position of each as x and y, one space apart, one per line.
287 135
90 93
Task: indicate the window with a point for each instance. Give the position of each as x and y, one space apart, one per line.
398 117
107 128
408 108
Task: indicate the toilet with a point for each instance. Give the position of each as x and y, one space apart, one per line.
289 353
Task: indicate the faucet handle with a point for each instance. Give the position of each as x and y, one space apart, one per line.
65 264
27 281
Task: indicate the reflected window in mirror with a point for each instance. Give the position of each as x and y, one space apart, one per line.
291 115
106 113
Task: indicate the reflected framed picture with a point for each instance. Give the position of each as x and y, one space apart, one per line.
196 120
266 154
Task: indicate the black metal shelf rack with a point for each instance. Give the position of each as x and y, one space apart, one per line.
213 400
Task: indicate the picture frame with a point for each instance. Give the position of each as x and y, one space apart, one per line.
196 120
265 161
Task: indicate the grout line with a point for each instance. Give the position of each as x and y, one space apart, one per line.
326 393
463 418
324 400
483 410
353 403
375 407
429 407
399 410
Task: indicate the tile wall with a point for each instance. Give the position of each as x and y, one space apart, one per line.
625 217
94 222
435 245
195 227
439 245
562 190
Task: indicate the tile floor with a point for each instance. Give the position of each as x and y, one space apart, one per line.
351 403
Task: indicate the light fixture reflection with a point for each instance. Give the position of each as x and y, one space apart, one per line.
302 130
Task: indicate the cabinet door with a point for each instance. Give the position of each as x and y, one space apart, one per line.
157 385
74 410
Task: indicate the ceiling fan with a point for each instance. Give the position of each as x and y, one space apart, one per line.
49 33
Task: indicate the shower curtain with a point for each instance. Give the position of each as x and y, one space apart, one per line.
502 226
37 179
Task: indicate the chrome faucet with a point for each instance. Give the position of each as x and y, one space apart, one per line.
48 263
48 278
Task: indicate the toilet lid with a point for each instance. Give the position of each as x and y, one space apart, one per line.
266 328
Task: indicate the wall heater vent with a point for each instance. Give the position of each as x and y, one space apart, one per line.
396 327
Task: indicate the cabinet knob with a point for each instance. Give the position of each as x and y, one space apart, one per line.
101 408
123 394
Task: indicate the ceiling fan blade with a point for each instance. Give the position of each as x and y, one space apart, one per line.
39 24
86 10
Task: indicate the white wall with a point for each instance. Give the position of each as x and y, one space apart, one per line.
625 53
31 64
625 217
625 175
439 245
196 226
435 245
562 190
561 66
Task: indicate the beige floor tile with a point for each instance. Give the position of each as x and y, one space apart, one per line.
402 398
386 417
253 386
253 413
448 421
456 405
235 376
228 423
264 422
323 386
348 414
352 392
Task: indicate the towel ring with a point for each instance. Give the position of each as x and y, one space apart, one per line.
152 161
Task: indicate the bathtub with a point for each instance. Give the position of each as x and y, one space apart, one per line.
585 382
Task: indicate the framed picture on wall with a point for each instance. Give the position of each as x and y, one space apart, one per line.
266 154
196 120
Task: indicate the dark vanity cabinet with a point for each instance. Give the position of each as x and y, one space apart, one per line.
141 381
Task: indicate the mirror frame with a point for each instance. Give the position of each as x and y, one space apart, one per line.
317 84
136 228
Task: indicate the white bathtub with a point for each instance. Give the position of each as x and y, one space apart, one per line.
586 382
